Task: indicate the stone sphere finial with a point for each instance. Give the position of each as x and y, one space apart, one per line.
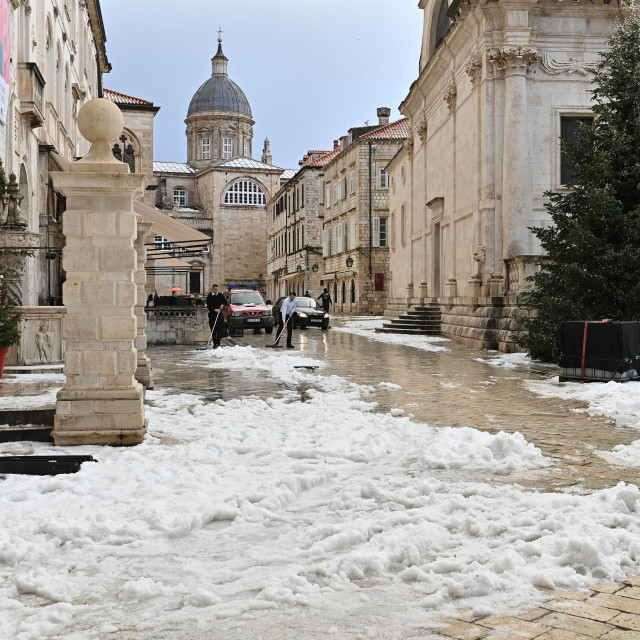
100 121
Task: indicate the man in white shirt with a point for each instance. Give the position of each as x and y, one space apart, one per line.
286 316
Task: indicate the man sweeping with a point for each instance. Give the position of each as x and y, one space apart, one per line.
286 317
215 303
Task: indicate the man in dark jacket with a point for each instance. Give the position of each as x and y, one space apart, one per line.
325 298
215 302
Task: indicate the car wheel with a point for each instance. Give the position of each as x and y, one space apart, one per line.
325 326
268 329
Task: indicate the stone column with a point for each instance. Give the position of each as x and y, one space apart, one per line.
143 368
515 63
101 402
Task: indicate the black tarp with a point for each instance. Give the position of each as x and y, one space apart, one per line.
612 349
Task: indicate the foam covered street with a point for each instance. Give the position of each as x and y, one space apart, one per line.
353 488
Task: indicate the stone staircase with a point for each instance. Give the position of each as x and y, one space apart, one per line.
419 321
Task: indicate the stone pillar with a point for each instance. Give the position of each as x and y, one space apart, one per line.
143 368
515 62
101 402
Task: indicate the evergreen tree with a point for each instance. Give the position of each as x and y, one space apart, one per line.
593 244
3 180
9 319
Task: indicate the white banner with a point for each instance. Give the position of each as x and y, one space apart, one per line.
4 100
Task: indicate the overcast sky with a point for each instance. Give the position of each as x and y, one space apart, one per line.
311 69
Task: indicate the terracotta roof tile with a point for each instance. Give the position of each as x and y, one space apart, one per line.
121 98
322 160
394 130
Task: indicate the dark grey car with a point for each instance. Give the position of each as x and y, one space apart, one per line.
308 313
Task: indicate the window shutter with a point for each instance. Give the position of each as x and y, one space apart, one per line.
336 248
343 243
353 241
343 188
326 239
376 231
327 197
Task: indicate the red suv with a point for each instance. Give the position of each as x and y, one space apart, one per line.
246 309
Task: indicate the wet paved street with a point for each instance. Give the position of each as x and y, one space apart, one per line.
443 389
454 389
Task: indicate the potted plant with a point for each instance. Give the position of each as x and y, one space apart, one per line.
9 324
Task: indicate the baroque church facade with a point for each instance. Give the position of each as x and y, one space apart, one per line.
221 191
499 85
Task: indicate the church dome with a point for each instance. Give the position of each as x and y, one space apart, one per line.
219 92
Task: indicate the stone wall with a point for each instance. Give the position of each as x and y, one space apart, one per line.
177 326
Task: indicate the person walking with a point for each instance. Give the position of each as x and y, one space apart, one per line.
215 303
325 298
286 317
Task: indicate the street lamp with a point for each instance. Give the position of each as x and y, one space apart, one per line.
315 268
349 262
299 269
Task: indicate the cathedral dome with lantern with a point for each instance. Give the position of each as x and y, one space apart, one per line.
219 121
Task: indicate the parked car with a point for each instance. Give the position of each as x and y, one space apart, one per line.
246 309
308 313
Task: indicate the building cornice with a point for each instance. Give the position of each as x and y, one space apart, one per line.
99 34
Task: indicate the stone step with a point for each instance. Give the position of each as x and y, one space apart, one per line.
414 319
422 314
19 417
411 325
415 332
29 432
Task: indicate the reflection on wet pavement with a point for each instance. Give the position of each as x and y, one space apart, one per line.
444 389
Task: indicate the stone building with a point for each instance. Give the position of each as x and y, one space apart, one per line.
355 237
53 60
294 229
500 83
221 190
174 250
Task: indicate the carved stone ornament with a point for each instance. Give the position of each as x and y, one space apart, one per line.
573 65
451 96
409 145
513 60
11 215
44 343
480 254
474 69
423 130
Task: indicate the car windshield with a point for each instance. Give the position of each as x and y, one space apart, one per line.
305 302
249 297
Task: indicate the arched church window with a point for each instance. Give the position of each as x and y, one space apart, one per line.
180 196
124 151
245 192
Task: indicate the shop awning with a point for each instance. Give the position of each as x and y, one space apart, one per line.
182 241
168 266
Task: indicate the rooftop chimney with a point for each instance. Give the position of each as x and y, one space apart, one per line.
383 115
336 145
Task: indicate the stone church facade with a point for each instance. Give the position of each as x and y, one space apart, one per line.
221 190
500 83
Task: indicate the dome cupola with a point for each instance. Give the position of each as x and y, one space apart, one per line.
219 121
219 92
